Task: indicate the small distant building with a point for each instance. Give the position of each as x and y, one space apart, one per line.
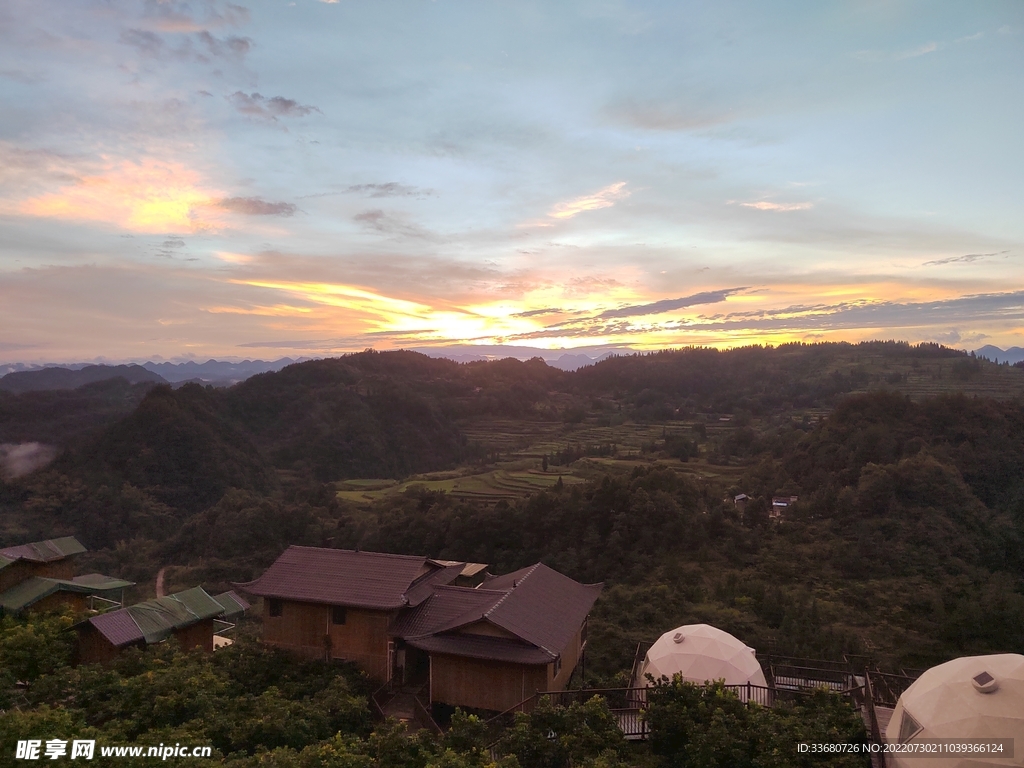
187 616
740 501
779 505
39 576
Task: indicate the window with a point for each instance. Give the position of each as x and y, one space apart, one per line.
909 728
275 607
558 665
338 614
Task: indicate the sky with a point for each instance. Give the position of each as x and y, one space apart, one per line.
233 179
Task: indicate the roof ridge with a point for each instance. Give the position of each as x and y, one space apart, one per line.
359 552
515 585
477 590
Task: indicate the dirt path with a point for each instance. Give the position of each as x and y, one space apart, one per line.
160 583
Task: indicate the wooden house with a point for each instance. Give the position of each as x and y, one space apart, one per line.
339 604
187 616
40 576
407 620
494 646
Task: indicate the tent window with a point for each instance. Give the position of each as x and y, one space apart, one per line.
275 608
338 614
908 728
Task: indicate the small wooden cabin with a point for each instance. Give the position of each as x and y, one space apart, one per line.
187 616
40 576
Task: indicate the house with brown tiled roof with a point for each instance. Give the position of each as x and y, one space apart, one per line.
405 619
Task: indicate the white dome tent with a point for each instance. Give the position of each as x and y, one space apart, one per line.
974 697
701 653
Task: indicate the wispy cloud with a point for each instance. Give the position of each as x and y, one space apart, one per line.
269 108
390 189
764 205
182 16
200 46
966 259
668 305
603 198
255 206
909 53
389 224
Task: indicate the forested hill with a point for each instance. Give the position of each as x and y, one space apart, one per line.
909 484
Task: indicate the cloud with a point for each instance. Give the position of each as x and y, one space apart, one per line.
911 53
18 459
264 108
143 196
388 224
255 206
668 305
536 312
198 47
183 16
662 116
233 258
603 198
766 206
390 189
966 259
18 76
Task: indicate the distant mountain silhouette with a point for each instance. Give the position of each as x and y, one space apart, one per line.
995 354
65 378
215 371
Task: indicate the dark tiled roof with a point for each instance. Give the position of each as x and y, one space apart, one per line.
425 586
42 551
544 608
537 604
481 647
343 577
446 605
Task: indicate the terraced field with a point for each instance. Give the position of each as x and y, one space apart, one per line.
488 487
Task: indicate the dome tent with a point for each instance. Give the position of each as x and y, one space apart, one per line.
974 697
701 653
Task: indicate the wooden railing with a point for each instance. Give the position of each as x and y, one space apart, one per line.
876 732
887 687
426 719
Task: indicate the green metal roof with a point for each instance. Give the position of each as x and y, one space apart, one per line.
35 588
41 551
158 619
234 606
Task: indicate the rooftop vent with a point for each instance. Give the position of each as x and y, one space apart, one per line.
985 683
678 637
